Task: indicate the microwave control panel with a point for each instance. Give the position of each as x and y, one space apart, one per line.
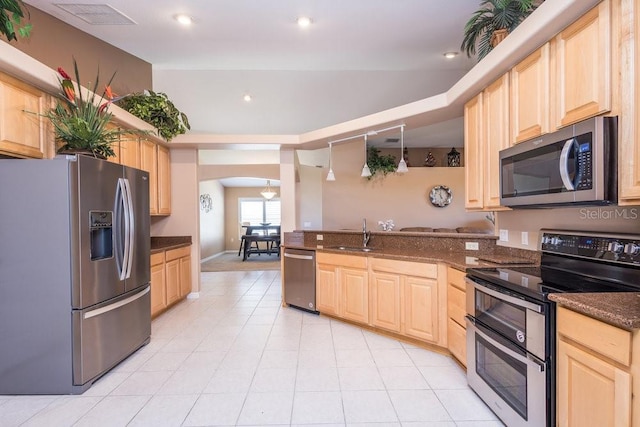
584 162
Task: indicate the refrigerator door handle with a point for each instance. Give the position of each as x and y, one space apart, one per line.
130 226
115 305
120 210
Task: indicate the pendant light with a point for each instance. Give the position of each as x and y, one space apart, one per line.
402 166
330 175
268 193
366 172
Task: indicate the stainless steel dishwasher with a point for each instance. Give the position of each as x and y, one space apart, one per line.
300 278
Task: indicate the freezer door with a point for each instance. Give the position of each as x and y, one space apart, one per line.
94 267
106 334
138 267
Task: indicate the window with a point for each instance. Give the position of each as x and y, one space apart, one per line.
258 210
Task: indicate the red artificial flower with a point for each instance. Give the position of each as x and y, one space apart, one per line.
63 73
69 90
108 93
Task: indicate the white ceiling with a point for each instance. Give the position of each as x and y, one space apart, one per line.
358 57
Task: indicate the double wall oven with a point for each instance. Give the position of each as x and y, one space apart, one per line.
511 323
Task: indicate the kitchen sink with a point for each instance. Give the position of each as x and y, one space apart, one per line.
352 248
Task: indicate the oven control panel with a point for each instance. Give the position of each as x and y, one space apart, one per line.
623 248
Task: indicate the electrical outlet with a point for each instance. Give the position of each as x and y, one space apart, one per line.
504 235
319 237
524 237
471 246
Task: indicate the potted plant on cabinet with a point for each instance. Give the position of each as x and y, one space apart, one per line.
11 16
378 163
156 109
490 24
80 118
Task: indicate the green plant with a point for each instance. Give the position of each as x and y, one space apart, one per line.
11 16
378 163
80 120
156 109
492 16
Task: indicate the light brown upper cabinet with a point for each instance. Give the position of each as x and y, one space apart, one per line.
629 158
149 163
473 153
164 180
22 127
496 138
530 96
130 151
583 67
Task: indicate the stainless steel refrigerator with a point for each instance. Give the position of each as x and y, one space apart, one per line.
74 271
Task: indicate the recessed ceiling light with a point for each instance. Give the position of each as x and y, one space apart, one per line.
304 21
184 19
247 98
450 55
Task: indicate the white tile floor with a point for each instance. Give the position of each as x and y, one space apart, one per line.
236 357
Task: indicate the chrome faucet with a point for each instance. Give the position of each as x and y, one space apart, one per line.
366 235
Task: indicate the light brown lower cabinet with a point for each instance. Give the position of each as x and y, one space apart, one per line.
594 374
456 312
170 278
398 296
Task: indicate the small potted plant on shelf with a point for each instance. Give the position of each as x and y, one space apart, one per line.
156 109
80 118
11 16
490 24
377 163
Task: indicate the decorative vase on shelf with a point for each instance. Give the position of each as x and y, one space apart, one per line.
453 158
430 161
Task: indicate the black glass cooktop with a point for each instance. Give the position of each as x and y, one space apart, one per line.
538 282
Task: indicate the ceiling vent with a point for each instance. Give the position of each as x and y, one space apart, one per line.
392 140
96 14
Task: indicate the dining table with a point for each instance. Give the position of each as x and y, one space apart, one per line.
267 233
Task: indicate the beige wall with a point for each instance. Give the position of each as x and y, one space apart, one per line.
232 226
212 222
606 219
309 197
403 198
185 202
55 43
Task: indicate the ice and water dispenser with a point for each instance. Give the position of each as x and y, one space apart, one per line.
101 225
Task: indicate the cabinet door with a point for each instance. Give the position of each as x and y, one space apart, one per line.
591 391
130 151
173 280
355 294
583 67
327 289
21 122
420 301
385 301
496 138
530 96
473 153
457 342
164 181
185 276
629 140
158 289
149 163
115 147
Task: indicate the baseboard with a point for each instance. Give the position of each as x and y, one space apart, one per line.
209 258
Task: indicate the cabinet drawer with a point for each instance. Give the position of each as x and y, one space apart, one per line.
178 253
456 278
157 258
456 304
605 339
457 341
407 268
352 261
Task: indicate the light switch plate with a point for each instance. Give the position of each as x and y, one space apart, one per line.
524 238
504 235
319 237
307 224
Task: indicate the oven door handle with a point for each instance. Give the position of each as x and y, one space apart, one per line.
505 297
529 359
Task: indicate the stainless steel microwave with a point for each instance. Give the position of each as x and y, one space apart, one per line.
576 165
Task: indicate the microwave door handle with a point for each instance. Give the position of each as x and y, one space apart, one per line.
564 164
527 360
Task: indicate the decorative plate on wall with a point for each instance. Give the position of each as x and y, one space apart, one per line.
440 196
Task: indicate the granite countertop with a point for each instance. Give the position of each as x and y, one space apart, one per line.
163 243
620 309
459 260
